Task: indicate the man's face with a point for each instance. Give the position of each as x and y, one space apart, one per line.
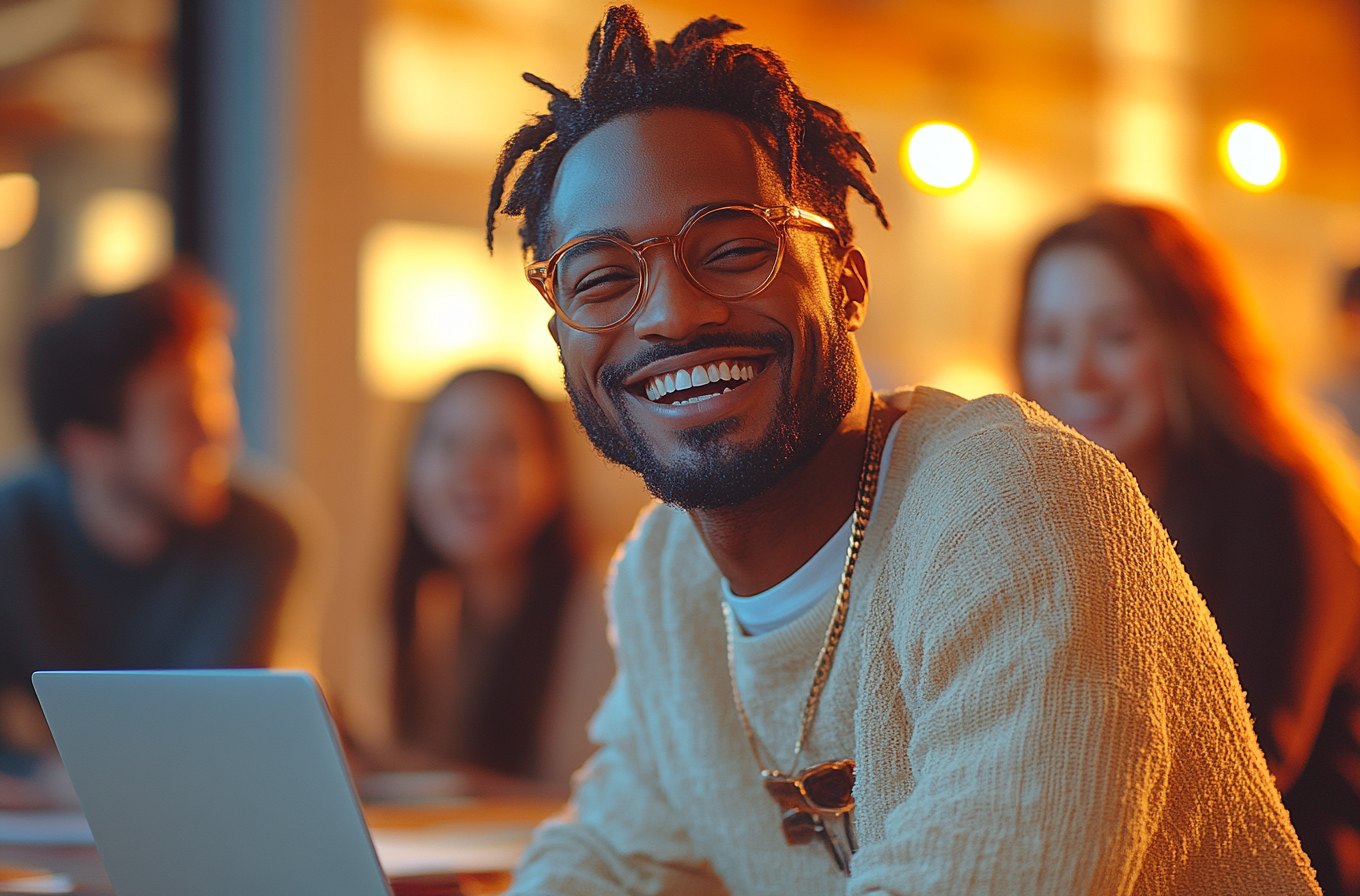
180 429
642 176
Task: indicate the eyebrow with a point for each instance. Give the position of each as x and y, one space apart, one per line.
620 233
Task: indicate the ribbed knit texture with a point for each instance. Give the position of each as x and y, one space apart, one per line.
1037 699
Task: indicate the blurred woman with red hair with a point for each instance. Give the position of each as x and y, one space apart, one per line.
1130 333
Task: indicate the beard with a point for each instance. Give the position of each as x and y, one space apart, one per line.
715 473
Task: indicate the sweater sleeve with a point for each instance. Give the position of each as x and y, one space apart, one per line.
1037 751
620 835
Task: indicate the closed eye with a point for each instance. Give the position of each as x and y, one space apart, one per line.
740 255
604 284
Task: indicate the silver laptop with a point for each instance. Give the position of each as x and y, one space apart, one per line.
212 783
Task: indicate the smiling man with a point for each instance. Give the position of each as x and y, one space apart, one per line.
903 644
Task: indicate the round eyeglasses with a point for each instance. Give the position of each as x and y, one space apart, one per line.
595 283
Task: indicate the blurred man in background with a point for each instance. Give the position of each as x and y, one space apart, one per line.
127 546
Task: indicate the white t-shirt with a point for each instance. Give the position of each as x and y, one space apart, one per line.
781 604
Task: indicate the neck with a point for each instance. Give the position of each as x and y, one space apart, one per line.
762 542
494 592
116 522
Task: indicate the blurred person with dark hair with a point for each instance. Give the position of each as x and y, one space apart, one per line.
127 546
500 649
1343 391
1131 333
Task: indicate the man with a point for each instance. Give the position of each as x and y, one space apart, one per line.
127 547
1023 693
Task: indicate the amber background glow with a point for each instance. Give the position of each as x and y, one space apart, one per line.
395 110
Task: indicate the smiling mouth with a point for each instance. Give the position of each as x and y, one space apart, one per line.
687 385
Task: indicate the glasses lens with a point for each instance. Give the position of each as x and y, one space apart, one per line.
830 787
731 252
596 282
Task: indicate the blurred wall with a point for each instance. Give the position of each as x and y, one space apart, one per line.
391 112
402 105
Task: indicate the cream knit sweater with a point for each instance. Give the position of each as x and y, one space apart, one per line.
1037 699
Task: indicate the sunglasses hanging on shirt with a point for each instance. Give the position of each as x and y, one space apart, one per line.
818 802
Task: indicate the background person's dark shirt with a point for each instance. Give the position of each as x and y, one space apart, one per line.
1235 522
210 600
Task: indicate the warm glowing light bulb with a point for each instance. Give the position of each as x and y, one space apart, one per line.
938 158
123 239
18 206
1252 156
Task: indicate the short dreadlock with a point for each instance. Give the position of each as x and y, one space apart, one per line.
818 154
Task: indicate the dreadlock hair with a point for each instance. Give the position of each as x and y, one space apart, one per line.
818 155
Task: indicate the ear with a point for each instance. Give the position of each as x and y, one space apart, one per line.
552 330
853 291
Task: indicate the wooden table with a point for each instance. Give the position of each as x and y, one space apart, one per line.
83 865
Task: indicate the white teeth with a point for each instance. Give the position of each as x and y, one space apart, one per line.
695 399
728 389
680 380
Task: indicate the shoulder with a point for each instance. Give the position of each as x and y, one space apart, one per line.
1003 508
35 488
661 567
663 542
1001 444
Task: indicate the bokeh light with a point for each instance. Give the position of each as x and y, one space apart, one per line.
432 303
969 379
938 157
123 239
18 206
1252 156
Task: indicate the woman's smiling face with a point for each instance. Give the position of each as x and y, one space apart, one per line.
1092 355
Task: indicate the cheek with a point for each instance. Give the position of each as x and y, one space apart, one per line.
154 444
1137 372
426 489
1041 370
581 357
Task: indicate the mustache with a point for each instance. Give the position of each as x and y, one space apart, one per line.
613 376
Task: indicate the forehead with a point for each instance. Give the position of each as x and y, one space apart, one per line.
642 175
1079 280
480 403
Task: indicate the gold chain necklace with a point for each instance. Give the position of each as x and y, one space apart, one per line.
825 791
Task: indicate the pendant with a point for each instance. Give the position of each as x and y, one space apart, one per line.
818 802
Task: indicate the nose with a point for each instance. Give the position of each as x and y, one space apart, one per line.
674 308
1085 371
